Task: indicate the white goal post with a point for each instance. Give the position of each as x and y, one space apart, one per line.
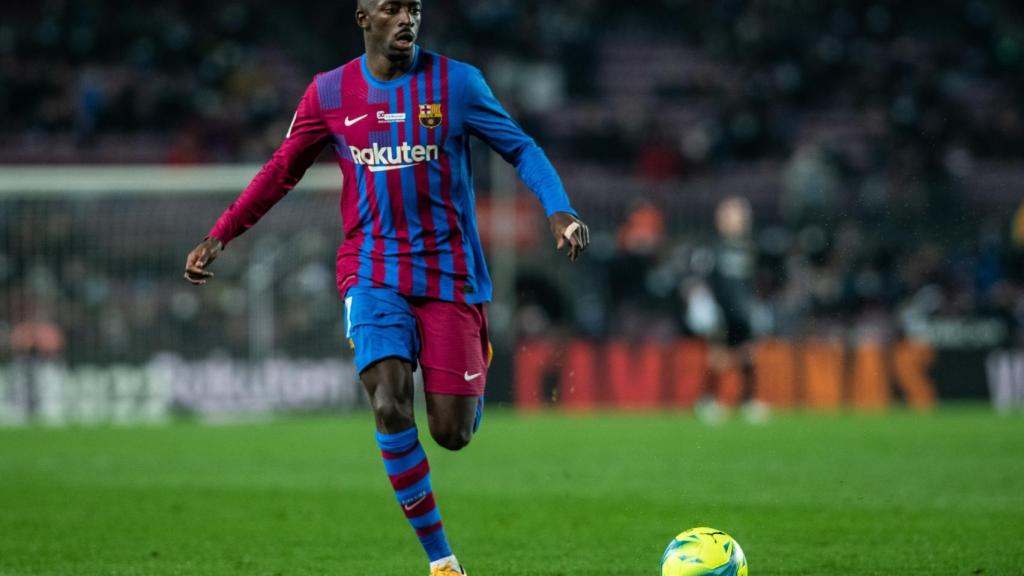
62 181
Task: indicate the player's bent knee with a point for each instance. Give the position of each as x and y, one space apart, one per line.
453 439
393 415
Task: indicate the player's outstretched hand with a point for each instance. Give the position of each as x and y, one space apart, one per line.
199 258
571 231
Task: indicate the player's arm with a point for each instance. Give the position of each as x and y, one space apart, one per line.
306 137
488 120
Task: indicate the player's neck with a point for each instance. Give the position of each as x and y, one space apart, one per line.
384 69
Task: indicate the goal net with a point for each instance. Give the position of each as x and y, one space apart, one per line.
97 323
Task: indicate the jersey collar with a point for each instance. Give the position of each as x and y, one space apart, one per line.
404 78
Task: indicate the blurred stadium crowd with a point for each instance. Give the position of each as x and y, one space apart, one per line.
669 89
879 145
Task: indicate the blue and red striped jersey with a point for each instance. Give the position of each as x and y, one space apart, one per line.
407 201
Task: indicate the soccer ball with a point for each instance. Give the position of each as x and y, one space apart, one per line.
703 552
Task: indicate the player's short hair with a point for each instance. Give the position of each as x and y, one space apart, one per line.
366 5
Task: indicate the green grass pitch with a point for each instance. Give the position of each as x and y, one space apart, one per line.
548 494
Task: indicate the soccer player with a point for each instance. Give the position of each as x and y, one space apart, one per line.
732 281
410 269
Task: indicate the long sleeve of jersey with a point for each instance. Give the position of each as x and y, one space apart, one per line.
306 138
489 121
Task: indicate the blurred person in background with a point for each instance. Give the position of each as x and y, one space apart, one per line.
34 343
640 242
411 268
1015 273
732 285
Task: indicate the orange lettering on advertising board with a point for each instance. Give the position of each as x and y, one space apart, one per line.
650 375
823 374
634 381
689 372
774 373
911 361
730 386
531 363
577 388
870 378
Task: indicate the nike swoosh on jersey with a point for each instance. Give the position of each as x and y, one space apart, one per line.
353 121
387 167
470 377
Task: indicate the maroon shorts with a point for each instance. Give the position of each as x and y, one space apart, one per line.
447 339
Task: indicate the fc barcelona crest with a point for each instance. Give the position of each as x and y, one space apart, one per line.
430 115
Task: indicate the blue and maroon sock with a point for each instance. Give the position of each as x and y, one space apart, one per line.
409 472
479 414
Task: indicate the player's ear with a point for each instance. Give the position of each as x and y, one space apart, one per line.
363 14
362 18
